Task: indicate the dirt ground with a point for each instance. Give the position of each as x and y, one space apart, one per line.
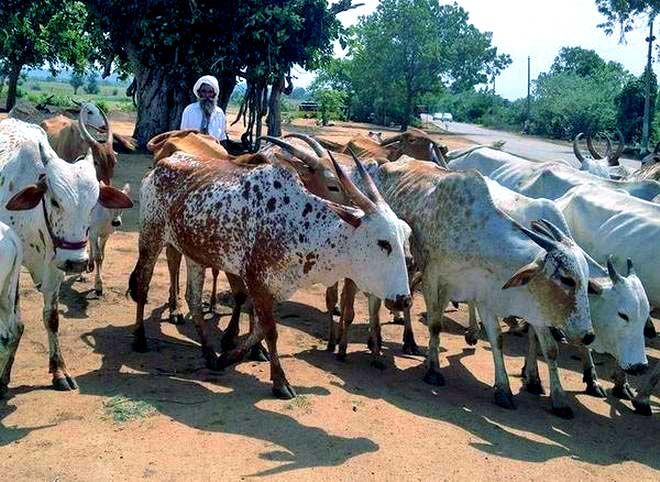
349 422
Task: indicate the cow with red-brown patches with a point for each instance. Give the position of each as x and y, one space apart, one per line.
260 224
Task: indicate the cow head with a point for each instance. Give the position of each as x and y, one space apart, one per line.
593 165
619 315
105 159
416 144
66 194
559 280
379 244
115 214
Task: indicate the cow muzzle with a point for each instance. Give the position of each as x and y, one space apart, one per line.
74 267
589 338
400 303
116 222
637 369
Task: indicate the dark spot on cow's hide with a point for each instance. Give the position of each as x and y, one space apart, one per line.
277 184
41 236
307 210
257 192
11 186
246 190
306 225
271 204
286 199
301 238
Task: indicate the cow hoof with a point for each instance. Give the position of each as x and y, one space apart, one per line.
227 343
378 364
595 390
504 399
331 347
72 382
642 408
341 356
140 345
534 387
623 392
336 311
177 319
99 292
563 412
413 349
284 392
61 385
471 337
4 391
434 378
258 354
398 320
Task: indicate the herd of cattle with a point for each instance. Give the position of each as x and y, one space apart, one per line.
570 248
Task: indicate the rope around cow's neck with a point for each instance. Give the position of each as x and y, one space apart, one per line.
56 240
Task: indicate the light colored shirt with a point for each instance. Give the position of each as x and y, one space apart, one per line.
192 119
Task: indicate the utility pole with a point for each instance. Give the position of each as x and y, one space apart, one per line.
529 83
647 95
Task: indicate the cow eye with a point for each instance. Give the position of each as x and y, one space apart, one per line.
385 246
55 203
570 282
624 316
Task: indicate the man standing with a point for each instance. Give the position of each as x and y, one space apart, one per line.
205 115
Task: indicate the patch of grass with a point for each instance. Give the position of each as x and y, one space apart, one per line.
301 402
122 409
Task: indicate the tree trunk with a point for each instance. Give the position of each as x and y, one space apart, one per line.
274 119
14 74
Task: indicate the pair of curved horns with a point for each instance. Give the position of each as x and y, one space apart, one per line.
615 276
82 120
612 159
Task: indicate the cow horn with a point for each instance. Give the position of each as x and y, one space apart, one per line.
614 159
437 156
82 120
311 161
360 200
543 241
320 151
631 268
107 124
592 149
372 190
576 148
556 233
611 270
391 140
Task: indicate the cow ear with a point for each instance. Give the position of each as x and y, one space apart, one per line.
112 198
524 275
346 214
594 287
27 198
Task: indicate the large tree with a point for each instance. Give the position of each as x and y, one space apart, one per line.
36 33
168 44
408 48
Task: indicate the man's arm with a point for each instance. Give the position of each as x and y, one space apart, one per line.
186 120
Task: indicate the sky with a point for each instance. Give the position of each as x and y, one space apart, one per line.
536 28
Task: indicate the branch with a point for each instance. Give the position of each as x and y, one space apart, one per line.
344 6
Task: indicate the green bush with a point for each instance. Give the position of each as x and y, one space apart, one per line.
34 86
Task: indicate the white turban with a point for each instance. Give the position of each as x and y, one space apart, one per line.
208 80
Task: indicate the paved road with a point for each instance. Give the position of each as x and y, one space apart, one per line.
525 146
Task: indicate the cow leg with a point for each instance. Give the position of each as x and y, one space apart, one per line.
257 353
173 266
473 330
622 389
214 290
375 341
550 349
99 255
62 380
642 402
503 395
240 296
398 318
410 346
347 307
331 297
436 300
7 359
589 375
194 290
530 372
150 245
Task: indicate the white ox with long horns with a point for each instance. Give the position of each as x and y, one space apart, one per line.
48 202
259 223
471 251
549 180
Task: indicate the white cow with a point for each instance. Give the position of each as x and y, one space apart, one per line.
619 311
11 326
104 222
472 251
542 180
48 202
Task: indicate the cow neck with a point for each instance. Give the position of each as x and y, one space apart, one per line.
56 240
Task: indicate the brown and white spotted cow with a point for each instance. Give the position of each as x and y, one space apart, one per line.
261 224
